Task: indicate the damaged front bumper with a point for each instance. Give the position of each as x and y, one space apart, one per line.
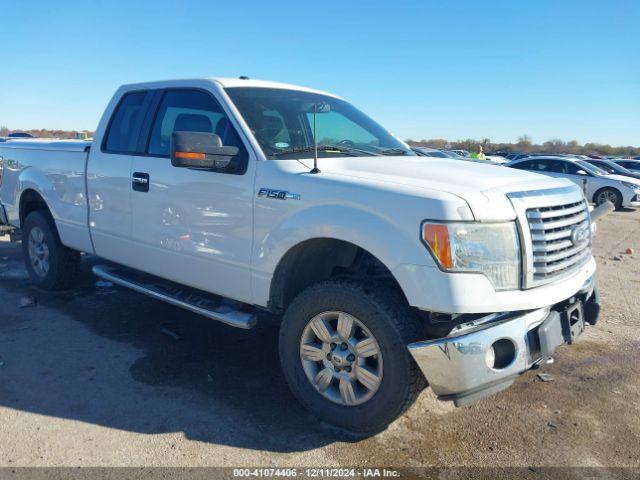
484 356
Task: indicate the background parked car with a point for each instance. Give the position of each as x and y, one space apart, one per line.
461 153
20 135
612 167
517 156
632 165
433 152
498 159
598 185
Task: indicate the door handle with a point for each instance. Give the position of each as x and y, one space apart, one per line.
140 182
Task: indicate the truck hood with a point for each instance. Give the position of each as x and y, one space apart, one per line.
482 186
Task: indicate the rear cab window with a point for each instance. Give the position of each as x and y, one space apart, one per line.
125 124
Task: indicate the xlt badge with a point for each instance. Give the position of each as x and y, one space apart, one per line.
278 194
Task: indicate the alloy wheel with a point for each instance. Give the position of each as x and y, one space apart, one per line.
341 358
38 252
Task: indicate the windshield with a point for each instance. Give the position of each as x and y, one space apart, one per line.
591 168
606 167
282 123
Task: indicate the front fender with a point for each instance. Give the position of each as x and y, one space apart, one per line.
381 236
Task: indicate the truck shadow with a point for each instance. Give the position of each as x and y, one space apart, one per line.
143 366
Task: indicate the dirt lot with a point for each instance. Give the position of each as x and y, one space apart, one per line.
93 377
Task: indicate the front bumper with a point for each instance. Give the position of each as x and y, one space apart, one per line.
474 293
457 367
631 199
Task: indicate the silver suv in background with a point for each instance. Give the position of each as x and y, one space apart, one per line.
598 185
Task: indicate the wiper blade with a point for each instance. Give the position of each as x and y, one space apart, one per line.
326 148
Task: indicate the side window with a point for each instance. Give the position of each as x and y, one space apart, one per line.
124 127
556 166
541 166
190 111
572 168
528 165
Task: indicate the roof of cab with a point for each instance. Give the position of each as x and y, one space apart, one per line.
227 83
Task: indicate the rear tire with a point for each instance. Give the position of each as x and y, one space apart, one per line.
610 194
51 265
380 315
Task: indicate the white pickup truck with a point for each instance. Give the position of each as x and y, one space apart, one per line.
390 272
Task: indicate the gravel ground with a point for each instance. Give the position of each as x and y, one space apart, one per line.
105 377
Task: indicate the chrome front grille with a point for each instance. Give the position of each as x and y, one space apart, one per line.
560 239
550 223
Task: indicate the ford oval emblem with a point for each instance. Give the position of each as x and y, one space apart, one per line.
579 234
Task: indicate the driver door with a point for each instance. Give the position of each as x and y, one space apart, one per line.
192 226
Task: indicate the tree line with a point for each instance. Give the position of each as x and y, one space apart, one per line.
525 145
43 132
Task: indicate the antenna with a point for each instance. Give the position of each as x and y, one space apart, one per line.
315 140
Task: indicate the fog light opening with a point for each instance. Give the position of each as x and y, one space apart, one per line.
500 354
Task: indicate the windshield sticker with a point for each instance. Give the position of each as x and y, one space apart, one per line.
281 145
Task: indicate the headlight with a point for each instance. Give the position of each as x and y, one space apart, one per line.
488 248
632 186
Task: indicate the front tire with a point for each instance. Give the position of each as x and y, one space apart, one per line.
51 265
610 194
343 350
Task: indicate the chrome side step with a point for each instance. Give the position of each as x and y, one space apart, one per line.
208 305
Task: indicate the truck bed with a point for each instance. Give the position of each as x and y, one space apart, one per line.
55 170
48 144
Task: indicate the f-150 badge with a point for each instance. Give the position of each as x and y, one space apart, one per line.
278 194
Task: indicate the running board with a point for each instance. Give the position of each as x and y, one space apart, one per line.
202 303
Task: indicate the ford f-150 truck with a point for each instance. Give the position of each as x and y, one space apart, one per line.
229 197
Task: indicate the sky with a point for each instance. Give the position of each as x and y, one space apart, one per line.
422 68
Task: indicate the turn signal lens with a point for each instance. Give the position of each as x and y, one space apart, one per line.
192 155
436 235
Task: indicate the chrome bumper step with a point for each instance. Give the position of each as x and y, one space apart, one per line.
196 301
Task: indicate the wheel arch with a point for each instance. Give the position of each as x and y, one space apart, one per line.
608 187
30 201
317 259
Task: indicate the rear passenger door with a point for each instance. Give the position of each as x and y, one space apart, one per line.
109 177
192 226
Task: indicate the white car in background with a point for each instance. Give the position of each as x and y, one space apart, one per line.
461 153
598 185
497 159
435 153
